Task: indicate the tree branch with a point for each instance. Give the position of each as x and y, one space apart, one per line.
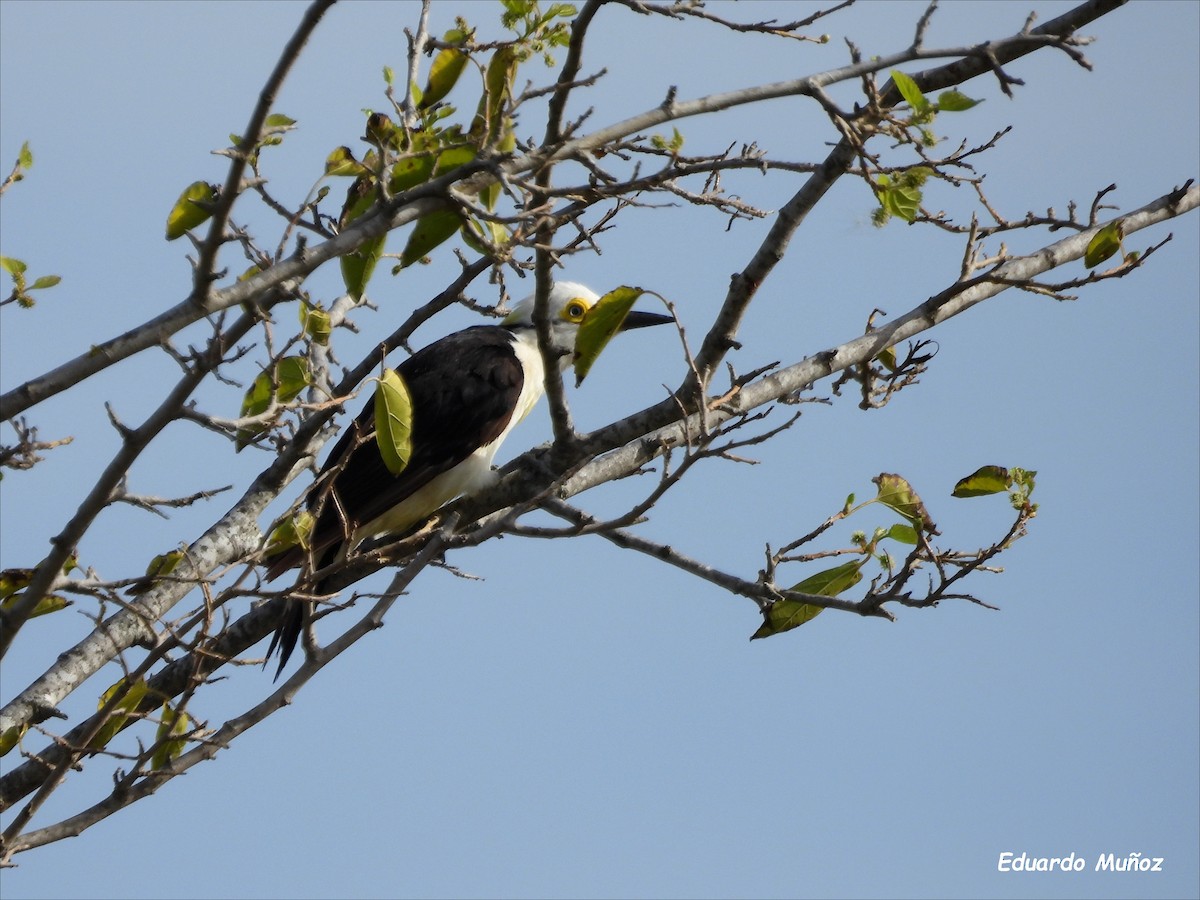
471 178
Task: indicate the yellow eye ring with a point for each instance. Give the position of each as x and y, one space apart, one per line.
575 310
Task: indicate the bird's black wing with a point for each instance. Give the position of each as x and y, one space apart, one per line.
464 389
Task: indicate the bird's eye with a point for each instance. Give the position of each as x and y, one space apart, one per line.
575 310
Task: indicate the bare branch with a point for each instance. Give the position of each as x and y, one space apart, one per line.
545 220
411 205
24 453
206 264
157 504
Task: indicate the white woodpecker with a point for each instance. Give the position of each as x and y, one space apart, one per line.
468 390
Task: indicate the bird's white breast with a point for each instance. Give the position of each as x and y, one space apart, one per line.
474 473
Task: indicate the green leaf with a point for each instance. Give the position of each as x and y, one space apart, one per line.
121 712
50 603
317 324
498 80
477 235
411 171
599 325
905 534
360 197
393 421
358 267
168 737
191 209
453 157
284 383
431 231
279 121
1103 244
382 131
1023 478
294 376
45 281
506 140
515 11
444 72
12 266
290 376
673 144
983 481
910 92
17 269
342 162
954 101
13 580
1022 487
490 194
784 615
897 494
162 565
25 157
900 199
291 532
831 582
10 737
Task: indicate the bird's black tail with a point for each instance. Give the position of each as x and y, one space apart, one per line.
287 634
297 612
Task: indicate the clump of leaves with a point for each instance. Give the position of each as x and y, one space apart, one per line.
900 194
430 143
14 581
21 284
673 144
538 31
24 164
895 493
274 128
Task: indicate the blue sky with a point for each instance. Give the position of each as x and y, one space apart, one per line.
583 721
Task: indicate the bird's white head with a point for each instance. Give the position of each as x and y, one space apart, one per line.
569 303
568 307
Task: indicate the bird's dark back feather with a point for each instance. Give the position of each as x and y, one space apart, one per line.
464 390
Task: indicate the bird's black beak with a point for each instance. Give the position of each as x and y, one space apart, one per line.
638 319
